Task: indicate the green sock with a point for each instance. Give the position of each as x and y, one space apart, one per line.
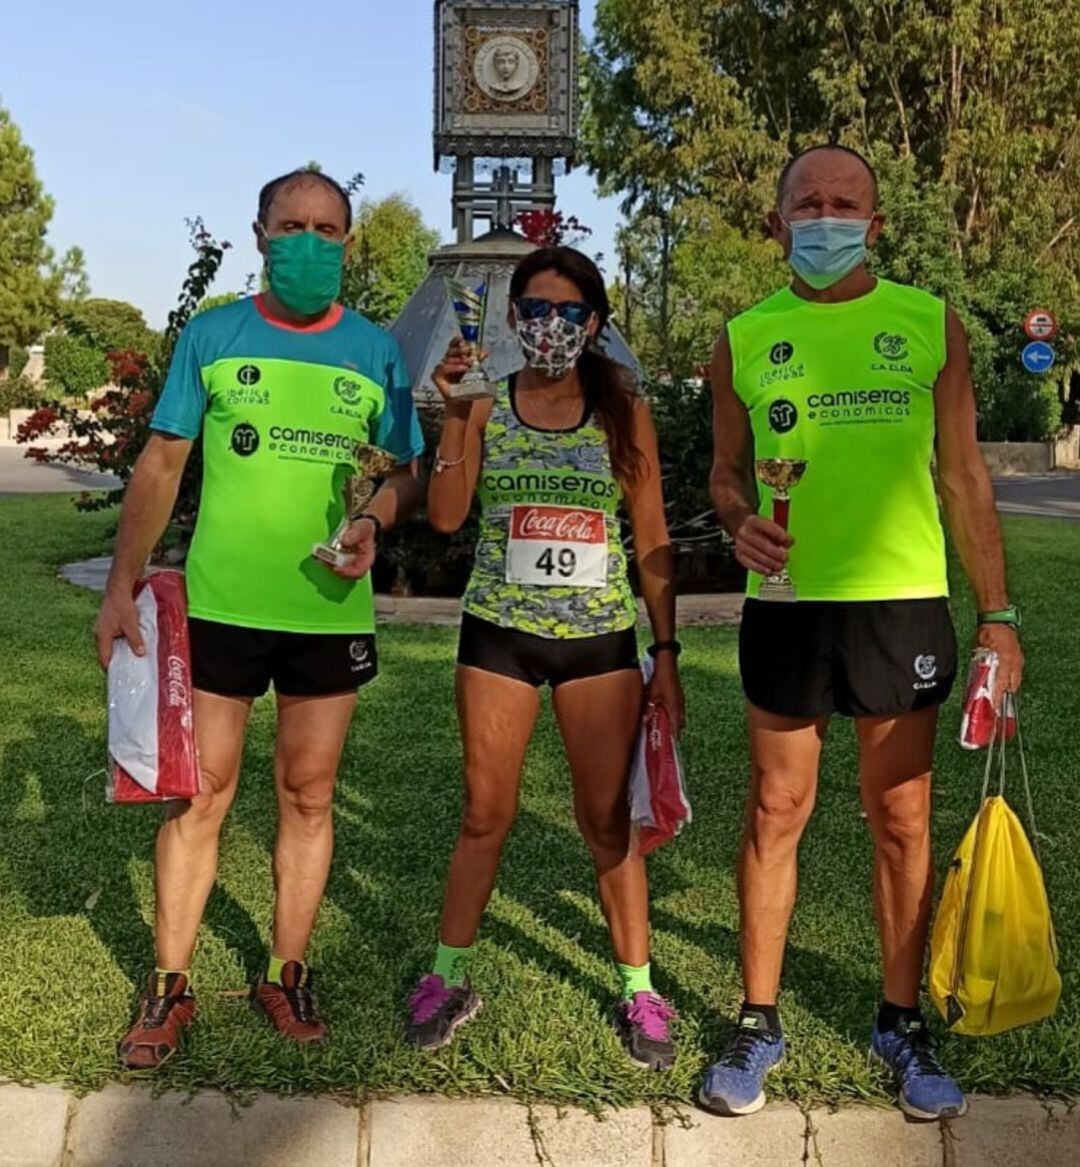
451 964
635 979
161 973
273 969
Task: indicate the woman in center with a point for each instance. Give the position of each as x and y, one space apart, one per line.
551 458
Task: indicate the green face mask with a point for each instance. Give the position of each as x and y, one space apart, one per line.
305 271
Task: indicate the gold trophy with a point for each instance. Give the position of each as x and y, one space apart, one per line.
470 308
781 474
371 465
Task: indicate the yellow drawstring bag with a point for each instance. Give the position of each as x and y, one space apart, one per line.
993 954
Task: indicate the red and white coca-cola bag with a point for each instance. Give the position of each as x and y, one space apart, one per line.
152 754
980 722
659 808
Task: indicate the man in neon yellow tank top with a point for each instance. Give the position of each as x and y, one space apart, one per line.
280 387
866 380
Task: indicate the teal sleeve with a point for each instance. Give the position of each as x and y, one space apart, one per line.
182 402
399 425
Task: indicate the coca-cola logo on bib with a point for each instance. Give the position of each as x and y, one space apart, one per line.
561 524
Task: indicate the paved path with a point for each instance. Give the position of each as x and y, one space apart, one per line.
125 1126
19 475
1050 496
692 610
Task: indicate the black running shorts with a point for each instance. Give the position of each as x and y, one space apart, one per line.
539 660
859 658
243 662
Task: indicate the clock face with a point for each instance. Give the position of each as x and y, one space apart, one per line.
506 68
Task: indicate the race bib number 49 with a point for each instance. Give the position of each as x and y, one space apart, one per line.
557 547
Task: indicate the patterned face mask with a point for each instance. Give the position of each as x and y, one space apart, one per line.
552 345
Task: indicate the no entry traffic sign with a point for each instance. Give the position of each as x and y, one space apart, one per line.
1040 324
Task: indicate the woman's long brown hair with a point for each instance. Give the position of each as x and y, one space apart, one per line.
608 385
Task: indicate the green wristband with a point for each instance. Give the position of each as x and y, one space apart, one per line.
1009 615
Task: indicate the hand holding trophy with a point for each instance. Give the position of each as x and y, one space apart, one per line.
371 465
781 474
470 307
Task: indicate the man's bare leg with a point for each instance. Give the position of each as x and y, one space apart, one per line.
895 758
187 844
784 757
311 735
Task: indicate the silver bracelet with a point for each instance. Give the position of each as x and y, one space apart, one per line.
441 463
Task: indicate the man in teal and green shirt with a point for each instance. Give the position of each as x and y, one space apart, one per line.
281 387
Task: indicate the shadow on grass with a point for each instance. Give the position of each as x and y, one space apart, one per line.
65 853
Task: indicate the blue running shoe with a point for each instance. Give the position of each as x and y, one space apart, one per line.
926 1091
735 1084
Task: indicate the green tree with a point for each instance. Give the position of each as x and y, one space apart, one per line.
71 272
387 259
970 111
28 284
73 367
217 301
113 325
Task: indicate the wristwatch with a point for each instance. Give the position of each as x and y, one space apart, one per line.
672 646
1009 615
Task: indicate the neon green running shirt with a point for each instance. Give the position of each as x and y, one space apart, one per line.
280 409
850 388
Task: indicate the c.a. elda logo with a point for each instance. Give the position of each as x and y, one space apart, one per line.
891 345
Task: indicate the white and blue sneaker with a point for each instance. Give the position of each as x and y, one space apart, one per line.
735 1085
926 1092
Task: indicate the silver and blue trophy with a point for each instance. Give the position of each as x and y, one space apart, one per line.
470 307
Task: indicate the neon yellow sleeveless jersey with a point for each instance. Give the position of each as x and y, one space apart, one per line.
850 388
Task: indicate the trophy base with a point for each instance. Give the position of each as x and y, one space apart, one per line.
331 556
473 388
777 589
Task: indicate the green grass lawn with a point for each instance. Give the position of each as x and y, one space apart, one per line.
75 875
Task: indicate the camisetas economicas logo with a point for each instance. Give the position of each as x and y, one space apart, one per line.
244 440
855 406
539 486
309 445
783 416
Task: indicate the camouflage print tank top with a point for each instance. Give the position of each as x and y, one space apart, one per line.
549 560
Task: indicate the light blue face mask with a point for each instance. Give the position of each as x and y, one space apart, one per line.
823 251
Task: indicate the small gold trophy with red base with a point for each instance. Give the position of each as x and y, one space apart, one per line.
371 465
781 474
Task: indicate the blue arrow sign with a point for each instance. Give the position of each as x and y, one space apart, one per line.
1038 357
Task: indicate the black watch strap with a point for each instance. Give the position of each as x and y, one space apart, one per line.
664 646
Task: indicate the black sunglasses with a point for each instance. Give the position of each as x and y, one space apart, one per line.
533 308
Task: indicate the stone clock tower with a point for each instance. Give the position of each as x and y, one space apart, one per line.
506 123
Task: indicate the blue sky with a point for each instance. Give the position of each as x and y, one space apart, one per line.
141 114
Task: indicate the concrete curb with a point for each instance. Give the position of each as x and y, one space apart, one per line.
125 1126
693 611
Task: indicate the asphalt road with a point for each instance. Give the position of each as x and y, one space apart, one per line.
1054 496
19 475
1049 496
